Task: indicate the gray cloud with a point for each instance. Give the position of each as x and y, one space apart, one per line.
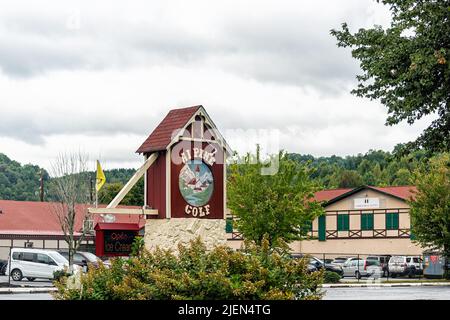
284 46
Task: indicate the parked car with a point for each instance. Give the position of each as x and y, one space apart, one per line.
83 259
362 268
34 263
319 264
316 264
340 261
3 264
405 266
384 262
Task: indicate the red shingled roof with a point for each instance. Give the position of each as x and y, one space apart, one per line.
38 218
161 137
403 192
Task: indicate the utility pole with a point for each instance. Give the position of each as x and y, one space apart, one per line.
91 180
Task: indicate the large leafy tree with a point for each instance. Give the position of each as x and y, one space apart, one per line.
134 198
430 212
276 206
406 66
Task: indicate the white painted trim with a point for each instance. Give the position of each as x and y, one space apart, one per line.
168 184
133 180
201 111
152 212
145 184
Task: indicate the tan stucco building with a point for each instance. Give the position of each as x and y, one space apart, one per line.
364 220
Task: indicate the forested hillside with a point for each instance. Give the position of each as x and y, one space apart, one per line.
19 182
376 167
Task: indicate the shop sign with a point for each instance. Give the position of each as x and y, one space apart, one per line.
366 203
119 241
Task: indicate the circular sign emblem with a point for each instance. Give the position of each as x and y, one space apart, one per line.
196 183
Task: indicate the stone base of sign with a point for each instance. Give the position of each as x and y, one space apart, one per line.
168 233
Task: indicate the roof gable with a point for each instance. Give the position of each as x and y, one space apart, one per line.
171 128
161 137
403 193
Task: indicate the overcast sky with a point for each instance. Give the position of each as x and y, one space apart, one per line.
99 76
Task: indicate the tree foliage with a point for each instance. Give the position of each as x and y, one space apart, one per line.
278 206
406 66
257 273
375 168
430 212
71 191
19 182
135 197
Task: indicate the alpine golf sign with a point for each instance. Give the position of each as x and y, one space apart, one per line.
187 179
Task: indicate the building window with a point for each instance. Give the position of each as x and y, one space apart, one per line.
391 221
342 222
367 221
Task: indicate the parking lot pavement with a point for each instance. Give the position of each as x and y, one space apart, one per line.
388 293
363 280
26 283
26 296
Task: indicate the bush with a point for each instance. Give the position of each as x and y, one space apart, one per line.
255 273
331 277
59 274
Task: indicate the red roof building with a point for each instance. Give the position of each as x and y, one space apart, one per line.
39 218
331 195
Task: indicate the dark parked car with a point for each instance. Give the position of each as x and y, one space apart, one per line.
384 262
3 264
318 264
83 259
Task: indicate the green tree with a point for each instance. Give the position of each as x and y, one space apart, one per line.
406 66
348 179
134 198
277 206
430 211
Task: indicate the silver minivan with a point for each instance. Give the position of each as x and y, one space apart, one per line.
362 268
34 263
405 266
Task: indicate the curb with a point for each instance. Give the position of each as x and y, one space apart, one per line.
377 285
27 290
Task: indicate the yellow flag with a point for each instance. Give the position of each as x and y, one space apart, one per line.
101 179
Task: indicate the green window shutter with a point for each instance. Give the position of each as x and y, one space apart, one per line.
343 222
322 228
395 220
391 221
367 221
388 221
229 226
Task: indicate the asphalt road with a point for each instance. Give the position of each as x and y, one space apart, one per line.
26 283
26 296
388 293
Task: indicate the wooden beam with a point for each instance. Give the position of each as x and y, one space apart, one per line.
133 180
150 212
